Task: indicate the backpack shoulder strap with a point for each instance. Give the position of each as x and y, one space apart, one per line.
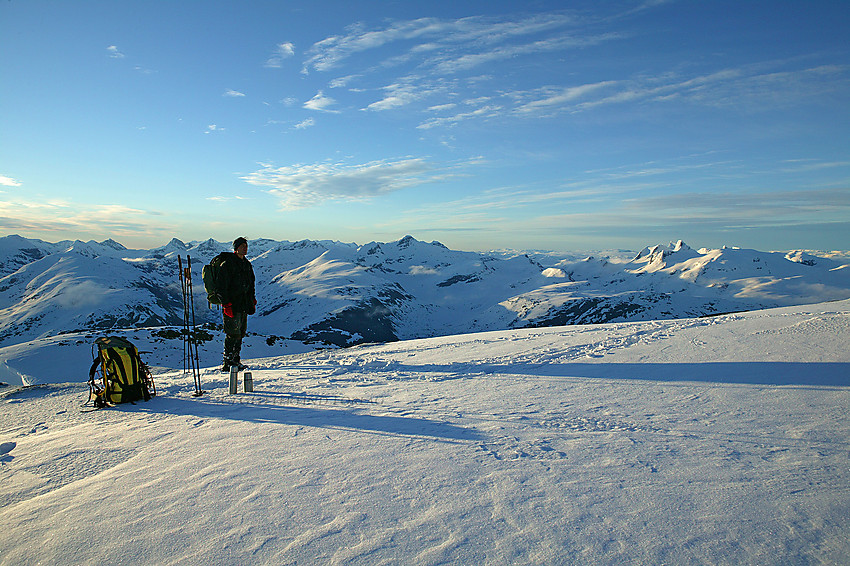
93 368
96 391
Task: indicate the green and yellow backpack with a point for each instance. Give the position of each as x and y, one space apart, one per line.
124 377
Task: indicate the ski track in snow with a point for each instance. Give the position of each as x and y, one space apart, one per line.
719 440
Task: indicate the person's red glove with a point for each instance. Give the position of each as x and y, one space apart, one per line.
228 310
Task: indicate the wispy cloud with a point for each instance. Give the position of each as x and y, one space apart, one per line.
443 107
330 52
282 51
437 53
9 182
754 87
308 123
471 60
803 166
213 128
658 195
342 82
321 103
435 59
300 186
671 216
226 199
648 5
67 217
488 111
744 89
401 94
230 93
449 44
560 97
720 212
776 208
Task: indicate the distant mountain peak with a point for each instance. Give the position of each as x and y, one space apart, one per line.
407 241
658 252
110 243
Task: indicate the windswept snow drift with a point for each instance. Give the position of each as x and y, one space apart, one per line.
718 440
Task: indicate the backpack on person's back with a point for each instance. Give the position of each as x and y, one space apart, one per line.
211 274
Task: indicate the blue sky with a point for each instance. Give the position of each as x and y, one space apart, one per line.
483 125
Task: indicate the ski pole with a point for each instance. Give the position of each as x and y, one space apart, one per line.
196 362
185 333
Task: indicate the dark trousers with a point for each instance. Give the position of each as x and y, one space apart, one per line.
235 328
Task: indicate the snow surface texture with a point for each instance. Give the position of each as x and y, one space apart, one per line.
344 294
719 440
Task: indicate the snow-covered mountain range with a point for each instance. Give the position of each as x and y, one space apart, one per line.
345 294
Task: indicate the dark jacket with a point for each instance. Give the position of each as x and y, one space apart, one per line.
237 284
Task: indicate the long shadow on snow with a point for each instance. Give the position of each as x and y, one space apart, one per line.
338 419
805 374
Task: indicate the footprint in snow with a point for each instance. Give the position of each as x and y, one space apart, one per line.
5 448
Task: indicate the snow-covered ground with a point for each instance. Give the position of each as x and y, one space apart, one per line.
721 440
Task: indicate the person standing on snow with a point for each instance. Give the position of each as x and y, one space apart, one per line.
238 300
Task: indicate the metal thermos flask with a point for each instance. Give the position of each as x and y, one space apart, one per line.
234 381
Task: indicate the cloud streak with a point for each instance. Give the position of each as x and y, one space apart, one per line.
436 40
687 215
471 60
63 216
745 89
433 60
735 210
321 103
304 124
282 51
302 186
9 182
